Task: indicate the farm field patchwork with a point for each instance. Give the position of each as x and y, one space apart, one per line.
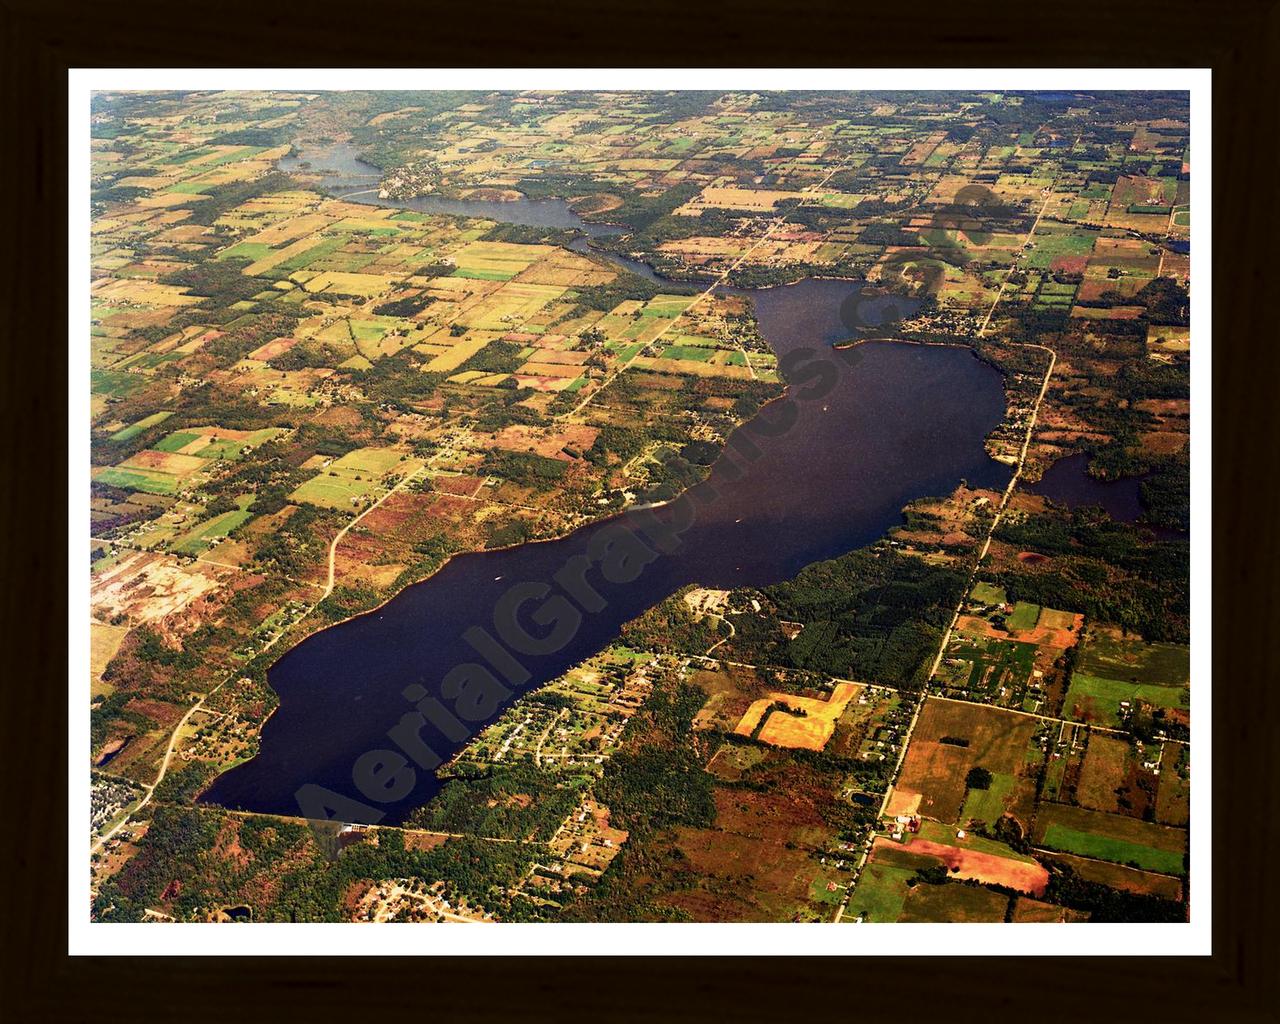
1115 674
345 480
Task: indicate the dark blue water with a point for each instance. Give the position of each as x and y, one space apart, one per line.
1067 482
898 422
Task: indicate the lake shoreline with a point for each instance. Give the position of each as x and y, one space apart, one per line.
303 740
708 555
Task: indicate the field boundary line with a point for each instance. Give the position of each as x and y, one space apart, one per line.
1005 497
774 224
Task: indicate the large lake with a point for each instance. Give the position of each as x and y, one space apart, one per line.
898 422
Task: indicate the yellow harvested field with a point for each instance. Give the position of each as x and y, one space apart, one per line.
514 303
568 270
460 351
163 199
338 210
757 200
640 164
691 367
364 285
378 119
550 355
152 183
701 245
542 369
498 257
809 730
286 203
142 292
290 230
104 641
453 288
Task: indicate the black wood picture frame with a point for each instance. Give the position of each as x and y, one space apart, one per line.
1237 38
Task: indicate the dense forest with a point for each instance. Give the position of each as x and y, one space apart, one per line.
872 614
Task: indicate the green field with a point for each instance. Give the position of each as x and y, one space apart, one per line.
987 805
243 250
218 447
197 540
114 383
133 430
350 477
666 305
477 274
987 593
693 352
307 257
1087 844
146 480
1024 615
1112 837
176 441
952 902
1100 698
224 449
1050 247
880 894
1120 657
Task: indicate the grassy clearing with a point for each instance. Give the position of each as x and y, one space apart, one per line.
988 593
692 352
348 479
953 902
880 895
199 539
987 805
1112 655
1024 615
1099 699
133 430
148 481
1058 837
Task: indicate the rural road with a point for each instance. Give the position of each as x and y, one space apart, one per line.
977 565
774 224
199 705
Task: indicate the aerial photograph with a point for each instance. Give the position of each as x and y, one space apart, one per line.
664 505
